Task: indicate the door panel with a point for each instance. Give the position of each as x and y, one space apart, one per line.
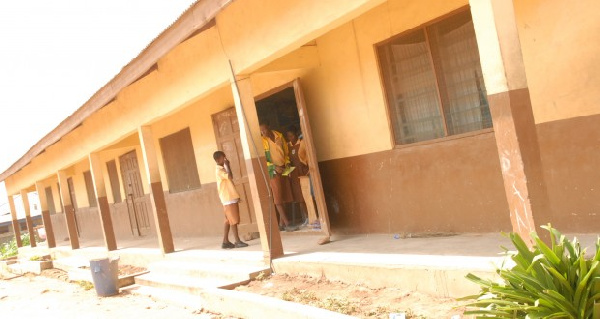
312 158
134 190
227 133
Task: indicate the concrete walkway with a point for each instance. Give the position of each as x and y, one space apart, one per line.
436 265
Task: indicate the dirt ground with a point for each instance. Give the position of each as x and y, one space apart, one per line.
50 296
354 299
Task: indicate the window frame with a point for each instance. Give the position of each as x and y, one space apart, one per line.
382 81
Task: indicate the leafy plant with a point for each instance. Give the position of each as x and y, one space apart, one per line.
555 281
261 276
336 304
10 248
85 284
25 240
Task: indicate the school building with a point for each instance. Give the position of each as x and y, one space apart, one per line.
419 115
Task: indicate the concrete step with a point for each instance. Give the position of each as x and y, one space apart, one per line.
185 284
210 270
27 266
71 263
237 256
442 276
237 303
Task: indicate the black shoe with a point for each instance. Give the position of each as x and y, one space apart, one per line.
240 244
227 245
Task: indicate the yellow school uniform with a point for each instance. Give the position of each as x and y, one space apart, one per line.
227 192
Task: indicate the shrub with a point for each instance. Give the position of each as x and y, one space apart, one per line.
546 282
10 249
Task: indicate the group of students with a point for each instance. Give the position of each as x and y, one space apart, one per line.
287 166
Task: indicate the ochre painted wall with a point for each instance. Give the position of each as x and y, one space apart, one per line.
560 47
348 112
345 95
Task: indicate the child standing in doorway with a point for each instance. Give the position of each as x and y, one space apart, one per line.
230 200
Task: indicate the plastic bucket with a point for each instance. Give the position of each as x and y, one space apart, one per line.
105 273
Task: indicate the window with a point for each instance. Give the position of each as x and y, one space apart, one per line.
433 81
113 177
180 161
89 186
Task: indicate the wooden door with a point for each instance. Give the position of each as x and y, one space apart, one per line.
73 203
134 190
227 133
312 158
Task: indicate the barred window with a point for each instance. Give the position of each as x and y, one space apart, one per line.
433 81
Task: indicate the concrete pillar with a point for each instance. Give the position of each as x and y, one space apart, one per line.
159 206
27 208
68 209
50 240
103 208
510 105
15 221
252 146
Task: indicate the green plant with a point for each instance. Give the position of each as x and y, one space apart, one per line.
35 258
25 240
555 281
10 249
337 304
85 284
261 276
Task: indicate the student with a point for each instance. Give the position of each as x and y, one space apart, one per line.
299 160
276 153
230 199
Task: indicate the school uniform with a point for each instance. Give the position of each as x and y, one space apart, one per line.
228 195
301 169
276 153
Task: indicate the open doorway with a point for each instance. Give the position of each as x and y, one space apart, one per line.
283 109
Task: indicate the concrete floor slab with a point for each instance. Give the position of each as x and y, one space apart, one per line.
432 264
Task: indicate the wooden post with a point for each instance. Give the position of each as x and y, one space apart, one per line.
103 207
50 240
159 206
68 209
510 105
249 134
27 208
15 221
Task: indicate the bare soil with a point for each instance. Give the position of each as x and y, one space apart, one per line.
353 299
50 296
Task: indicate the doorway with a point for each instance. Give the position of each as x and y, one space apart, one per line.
134 190
283 108
227 133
